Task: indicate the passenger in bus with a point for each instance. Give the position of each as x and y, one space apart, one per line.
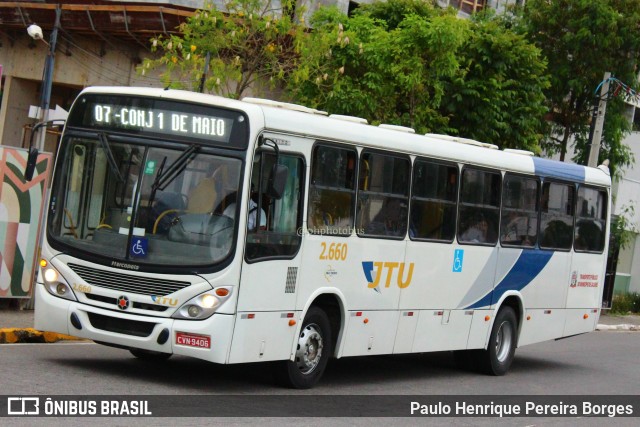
391 220
519 229
230 211
477 232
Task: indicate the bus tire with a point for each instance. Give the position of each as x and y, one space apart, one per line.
497 358
313 350
150 356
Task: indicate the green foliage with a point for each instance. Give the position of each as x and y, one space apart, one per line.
396 11
582 39
497 96
622 229
357 66
409 63
625 303
250 45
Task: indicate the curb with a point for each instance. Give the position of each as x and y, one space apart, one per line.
30 335
624 327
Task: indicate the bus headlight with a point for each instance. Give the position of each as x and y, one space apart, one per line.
203 305
54 283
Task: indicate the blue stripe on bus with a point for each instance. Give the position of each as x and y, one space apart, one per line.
524 270
561 170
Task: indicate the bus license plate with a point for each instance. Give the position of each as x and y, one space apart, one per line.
193 340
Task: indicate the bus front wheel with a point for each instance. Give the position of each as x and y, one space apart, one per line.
313 350
497 358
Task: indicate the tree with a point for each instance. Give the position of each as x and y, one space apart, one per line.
498 94
582 39
358 66
250 44
409 63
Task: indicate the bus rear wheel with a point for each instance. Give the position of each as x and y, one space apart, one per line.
497 358
313 350
149 356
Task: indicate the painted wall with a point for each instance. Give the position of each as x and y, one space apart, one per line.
20 218
628 194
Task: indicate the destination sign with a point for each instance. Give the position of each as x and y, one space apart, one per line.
161 117
163 121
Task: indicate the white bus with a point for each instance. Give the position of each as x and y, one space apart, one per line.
245 231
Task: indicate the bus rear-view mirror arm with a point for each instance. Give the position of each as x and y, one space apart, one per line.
32 157
279 173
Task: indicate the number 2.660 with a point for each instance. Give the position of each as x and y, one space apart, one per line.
334 252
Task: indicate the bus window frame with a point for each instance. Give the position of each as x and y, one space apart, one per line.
571 184
538 181
576 218
387 153
455 202
500 173
354 191
261 188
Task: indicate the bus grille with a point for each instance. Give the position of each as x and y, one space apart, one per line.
128 283
121 326
134 304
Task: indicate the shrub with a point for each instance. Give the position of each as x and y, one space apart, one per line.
626 303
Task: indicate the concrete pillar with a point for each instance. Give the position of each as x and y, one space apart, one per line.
19 94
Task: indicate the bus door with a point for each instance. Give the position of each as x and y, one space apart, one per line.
271 260
587 276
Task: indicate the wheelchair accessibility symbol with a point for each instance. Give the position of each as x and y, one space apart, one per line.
458 257
139 246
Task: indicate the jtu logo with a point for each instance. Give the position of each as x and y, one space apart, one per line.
403 273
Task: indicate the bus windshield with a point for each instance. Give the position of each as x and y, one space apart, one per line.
147 204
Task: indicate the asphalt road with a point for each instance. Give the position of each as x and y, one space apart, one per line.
600 363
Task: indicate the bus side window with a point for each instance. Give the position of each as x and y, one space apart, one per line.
433 201
277 235
383 195
479 206
519 216
332 191
556 216
590 220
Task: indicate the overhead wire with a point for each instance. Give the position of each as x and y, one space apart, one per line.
630 94
94 63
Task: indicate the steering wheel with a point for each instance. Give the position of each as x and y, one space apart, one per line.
162 215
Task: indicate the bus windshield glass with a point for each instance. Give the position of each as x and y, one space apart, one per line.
148 204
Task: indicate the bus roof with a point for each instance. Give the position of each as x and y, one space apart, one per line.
303 121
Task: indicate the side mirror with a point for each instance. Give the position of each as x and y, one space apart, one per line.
32 159
277 181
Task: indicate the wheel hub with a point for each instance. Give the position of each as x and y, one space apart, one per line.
309 351
504 341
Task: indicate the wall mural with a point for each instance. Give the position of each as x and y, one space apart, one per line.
20 220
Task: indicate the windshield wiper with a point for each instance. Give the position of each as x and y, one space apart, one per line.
102 137
164 178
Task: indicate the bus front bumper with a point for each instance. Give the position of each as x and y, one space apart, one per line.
207 339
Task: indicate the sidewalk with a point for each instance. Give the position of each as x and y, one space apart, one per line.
619 322
17 326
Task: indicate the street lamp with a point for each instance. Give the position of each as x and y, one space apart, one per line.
35 32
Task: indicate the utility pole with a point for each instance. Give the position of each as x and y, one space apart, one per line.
596 136
47 80
205 72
